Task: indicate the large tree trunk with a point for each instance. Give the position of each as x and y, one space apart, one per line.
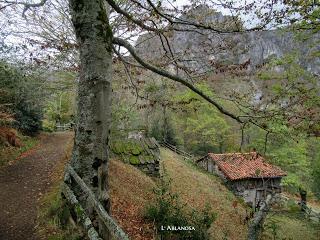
90 152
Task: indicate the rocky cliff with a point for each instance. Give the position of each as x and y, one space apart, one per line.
205 50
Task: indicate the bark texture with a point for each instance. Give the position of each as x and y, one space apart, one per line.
255 227
90 153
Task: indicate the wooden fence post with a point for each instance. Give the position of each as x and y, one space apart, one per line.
108 228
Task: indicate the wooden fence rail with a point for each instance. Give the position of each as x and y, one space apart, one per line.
114 229
177 150
81 216
63 127
310 213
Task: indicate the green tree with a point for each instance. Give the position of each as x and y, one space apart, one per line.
22 97
60 106
314 157
203 128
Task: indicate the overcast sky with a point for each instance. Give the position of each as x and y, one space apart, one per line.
250 20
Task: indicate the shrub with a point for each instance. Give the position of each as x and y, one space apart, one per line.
167 211
292 206
316 176
28 118
48 126
21 99
272 228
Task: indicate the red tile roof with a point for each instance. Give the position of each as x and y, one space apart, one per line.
237 166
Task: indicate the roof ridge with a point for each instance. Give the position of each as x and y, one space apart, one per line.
233 153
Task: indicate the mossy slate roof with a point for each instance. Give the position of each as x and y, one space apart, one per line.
135 151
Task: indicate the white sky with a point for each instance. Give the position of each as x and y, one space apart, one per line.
249 20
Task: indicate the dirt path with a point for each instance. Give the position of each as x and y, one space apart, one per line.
24 182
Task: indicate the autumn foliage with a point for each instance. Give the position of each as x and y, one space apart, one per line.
8 136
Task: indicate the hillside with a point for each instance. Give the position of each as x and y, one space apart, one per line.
197 188
131 189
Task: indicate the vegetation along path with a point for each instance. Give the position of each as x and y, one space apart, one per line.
23 183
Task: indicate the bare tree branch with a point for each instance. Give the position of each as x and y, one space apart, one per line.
27 6
130 17
176 78
5 6
171 21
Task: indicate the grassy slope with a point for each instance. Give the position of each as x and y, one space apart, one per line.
197 188
130 190
291 226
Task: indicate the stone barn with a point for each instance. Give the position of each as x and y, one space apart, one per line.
143 153
247 174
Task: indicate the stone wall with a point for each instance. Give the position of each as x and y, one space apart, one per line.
255 190
142 153
209 165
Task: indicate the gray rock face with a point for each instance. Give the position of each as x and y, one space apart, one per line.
206 50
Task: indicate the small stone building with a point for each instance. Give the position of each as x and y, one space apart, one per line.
247 174
143 153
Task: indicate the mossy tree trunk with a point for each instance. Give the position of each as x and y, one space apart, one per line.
90 152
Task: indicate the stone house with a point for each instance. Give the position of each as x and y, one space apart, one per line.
247 174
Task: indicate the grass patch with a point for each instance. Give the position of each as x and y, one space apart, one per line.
54 218
53 215
10 153
289 226
168 211
287 221
196 188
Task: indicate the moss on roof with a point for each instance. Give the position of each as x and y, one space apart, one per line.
135 151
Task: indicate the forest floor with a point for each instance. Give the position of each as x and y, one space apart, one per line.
24 181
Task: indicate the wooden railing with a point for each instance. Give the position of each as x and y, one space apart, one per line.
201 159
310 213
113 228
63 127
177 150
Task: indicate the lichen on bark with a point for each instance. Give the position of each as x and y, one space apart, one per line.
90 152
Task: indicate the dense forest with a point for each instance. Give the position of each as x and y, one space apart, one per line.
202 76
